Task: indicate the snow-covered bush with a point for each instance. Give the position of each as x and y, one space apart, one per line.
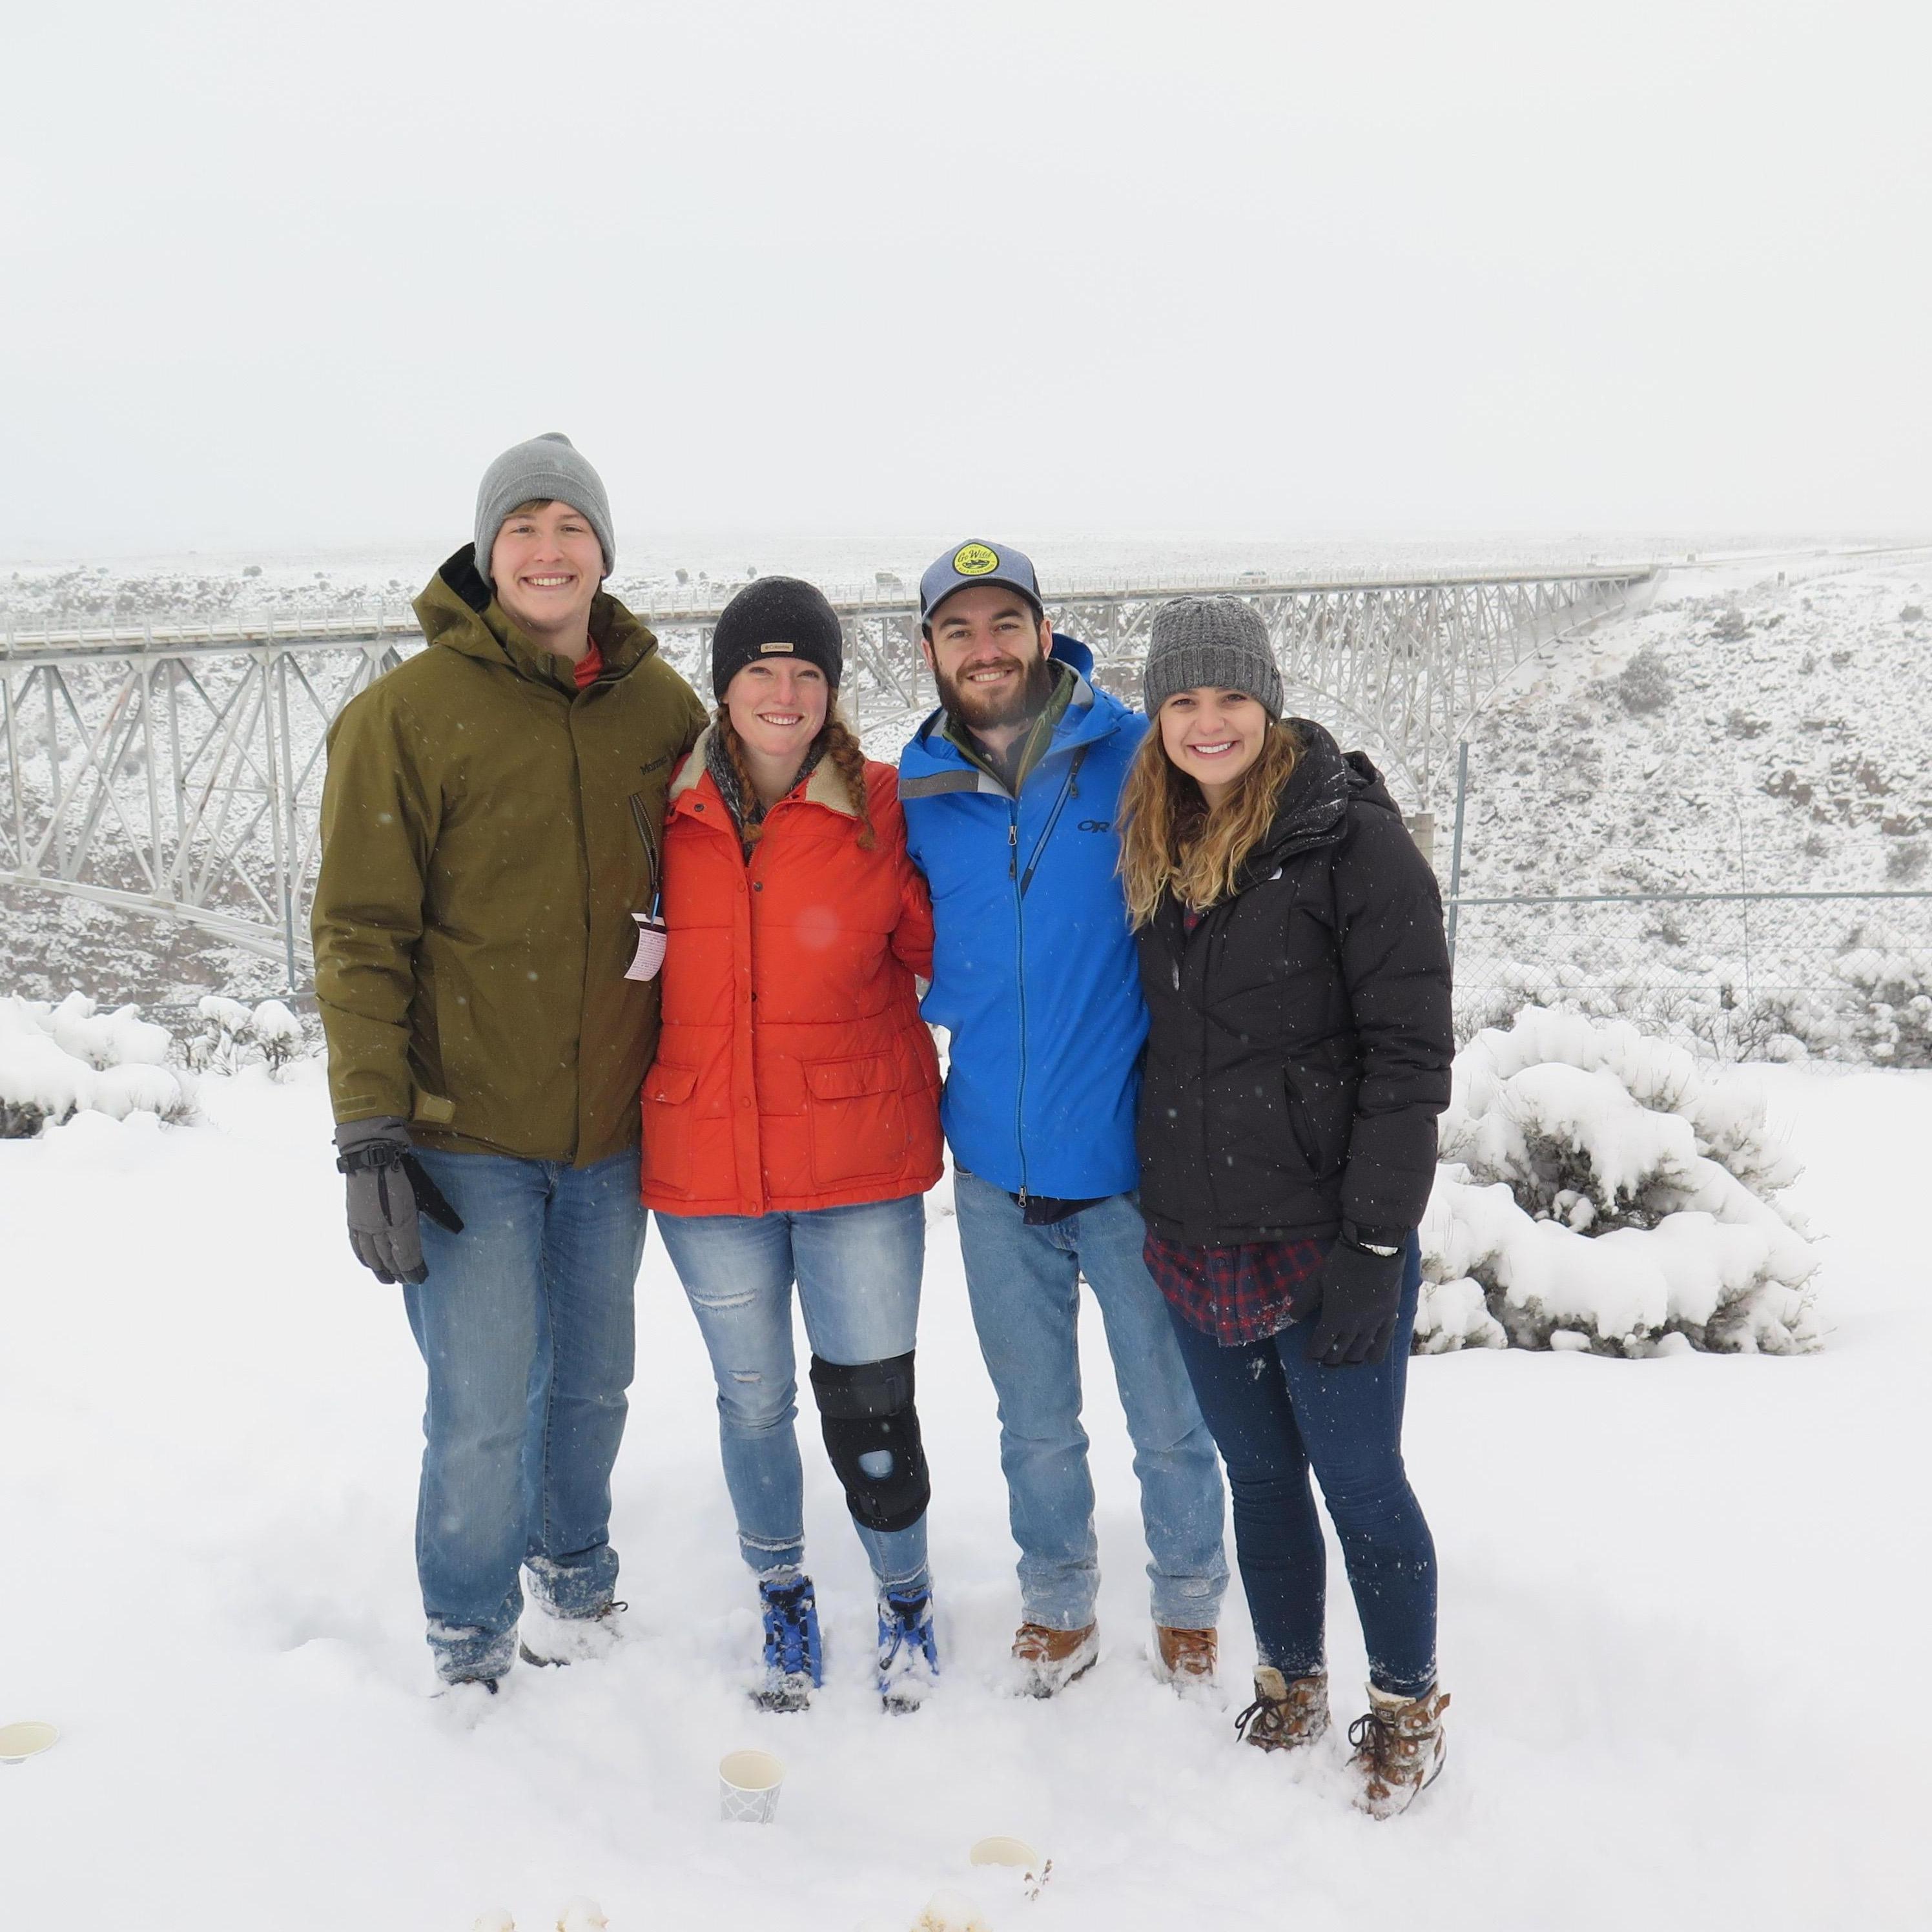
1905 864
1603 1190
58 1060
1894 982
1644 684
236 1035
1709 1018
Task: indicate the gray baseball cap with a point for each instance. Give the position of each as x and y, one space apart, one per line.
977 563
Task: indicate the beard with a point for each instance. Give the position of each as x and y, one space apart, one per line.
981 711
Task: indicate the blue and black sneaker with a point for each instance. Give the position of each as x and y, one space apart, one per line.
794 1667
908 1649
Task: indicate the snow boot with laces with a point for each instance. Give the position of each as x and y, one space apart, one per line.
1049 1659
1185 1658
1398 1750
793 1665
544 1638
1287 1712
908 1649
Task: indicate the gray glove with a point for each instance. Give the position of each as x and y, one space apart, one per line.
387 1189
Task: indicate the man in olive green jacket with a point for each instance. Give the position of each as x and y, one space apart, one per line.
491 823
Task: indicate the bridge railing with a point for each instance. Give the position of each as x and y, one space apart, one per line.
178 767
701 604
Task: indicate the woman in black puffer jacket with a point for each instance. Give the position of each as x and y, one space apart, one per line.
1292 955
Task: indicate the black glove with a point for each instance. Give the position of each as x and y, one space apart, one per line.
1360 1296
387 1187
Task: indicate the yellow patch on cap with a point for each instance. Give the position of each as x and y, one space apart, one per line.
975 560
764 648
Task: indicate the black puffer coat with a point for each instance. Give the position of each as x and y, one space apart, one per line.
1301 1035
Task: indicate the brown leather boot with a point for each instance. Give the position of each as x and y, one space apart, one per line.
1050 1659
1398 1750
1287 1712
1183 1657
544 1638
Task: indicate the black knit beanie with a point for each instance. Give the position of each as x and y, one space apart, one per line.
772 617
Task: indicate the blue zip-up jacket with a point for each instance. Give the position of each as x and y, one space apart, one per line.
1033 968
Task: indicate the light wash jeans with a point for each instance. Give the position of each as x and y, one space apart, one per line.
857 1270
1024 1286
526 1323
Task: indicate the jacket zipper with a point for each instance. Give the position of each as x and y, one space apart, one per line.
1019 981
1068 788
1178 939
1020 885
642 820
1200 1094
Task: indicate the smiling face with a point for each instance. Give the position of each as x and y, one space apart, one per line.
777 707
1213 736
546 564
988 650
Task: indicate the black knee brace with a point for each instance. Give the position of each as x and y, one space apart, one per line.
867 1409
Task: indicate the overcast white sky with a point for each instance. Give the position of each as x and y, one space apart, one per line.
284 275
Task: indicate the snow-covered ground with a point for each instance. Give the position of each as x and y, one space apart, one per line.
1682 1602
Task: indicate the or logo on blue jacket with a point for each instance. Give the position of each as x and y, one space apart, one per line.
1033 973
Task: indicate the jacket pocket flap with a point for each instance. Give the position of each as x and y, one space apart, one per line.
670 1084
847 1079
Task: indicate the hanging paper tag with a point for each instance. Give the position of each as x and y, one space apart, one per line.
652 937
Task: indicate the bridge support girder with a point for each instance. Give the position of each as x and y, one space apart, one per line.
182 774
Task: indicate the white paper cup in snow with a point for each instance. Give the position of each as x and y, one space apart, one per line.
25 1740
748 1783
1014 1851
1021 1869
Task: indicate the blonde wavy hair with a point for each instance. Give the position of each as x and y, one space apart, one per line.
841 748
1171 840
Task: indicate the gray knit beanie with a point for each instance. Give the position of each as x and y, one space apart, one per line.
1210 640
546 470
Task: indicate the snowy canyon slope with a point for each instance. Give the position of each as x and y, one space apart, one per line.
1753 735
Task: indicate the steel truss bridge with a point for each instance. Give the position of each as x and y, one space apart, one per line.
178 770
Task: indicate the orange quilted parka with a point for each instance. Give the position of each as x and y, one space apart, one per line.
793 1071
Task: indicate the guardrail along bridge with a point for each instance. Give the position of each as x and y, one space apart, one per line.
177 769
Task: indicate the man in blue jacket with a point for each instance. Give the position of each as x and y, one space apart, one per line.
1010 790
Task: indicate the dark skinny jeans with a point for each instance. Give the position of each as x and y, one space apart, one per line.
1273 1415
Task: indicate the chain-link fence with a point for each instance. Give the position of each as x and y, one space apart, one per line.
1746 975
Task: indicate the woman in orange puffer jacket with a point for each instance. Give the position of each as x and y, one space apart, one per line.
791 1118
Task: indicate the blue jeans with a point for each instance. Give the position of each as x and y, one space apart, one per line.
1276 1414
858 1271
526 1323
1024 1286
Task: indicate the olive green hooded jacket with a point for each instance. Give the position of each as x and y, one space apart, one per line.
487 830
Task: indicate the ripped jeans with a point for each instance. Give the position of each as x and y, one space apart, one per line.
857 1270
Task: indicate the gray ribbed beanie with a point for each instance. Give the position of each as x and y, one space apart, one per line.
1210 640
546 469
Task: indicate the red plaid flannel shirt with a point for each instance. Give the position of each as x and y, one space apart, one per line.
1236 1295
